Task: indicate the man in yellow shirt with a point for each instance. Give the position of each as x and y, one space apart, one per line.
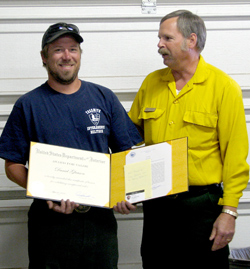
193 99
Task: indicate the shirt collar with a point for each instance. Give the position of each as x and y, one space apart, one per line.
201 73
199 76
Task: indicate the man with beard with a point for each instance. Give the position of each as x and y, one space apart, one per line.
193 99
65 235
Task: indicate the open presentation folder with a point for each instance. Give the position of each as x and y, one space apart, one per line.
102 180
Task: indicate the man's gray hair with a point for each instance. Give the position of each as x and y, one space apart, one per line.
188 23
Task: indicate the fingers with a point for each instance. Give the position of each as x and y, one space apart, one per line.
217 240
218 243
223 231
221 239
124 207
221 242
213 234
50 204
65 207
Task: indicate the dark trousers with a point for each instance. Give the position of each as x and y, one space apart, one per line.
176 232
74 241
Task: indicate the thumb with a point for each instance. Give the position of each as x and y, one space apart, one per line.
50 204
213 234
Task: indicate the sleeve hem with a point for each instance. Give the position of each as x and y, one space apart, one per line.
229 202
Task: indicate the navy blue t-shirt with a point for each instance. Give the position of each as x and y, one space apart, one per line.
90 119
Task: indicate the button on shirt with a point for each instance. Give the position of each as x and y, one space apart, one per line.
209 111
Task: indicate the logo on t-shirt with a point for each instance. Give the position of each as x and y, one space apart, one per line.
95 116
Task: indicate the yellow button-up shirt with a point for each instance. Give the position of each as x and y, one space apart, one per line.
209 111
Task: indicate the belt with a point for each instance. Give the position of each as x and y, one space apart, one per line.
197 190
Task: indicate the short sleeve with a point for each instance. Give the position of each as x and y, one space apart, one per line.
123 134
14 145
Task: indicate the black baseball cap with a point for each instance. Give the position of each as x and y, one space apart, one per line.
59 29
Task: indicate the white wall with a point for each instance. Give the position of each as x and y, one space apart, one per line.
119 50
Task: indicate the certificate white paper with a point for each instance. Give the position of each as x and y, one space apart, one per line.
160 156
57 173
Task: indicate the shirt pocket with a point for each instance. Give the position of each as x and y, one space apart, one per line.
152 118
200 118
201 128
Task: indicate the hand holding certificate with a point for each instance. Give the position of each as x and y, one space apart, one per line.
102 180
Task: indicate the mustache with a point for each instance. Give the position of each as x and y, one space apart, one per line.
66 62
163 51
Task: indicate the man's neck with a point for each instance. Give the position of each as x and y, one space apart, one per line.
65 88
183 75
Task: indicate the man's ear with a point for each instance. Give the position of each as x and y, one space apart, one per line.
43 58
192 41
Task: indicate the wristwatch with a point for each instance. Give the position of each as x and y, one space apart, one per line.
230 212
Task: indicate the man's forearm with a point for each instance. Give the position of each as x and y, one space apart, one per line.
17 173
